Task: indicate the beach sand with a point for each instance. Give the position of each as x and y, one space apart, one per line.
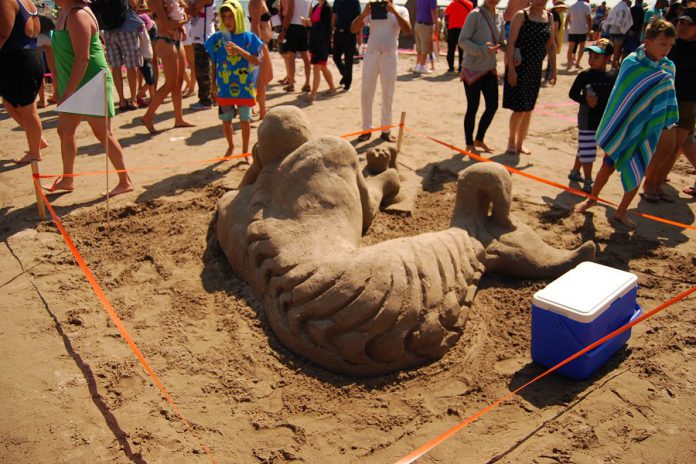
72 390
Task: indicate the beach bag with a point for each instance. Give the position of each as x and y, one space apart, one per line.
470 75
111 14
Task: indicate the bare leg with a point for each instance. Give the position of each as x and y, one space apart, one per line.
290 62
265 76
228 129
522 132
315 82
67 124
307 67
132 76
329 78
680 138
581 49
191 77
570 56
51 62
179 120
105 136
660 162
246 135
42 98
169 57
515 121
29 117
620 214
118 82
602 177
587 170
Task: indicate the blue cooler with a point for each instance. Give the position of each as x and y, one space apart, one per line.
579 308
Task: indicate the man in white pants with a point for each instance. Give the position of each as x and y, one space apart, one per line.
380 60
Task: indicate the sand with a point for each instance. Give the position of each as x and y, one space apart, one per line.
71 389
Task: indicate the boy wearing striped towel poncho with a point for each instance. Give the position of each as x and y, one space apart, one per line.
641 112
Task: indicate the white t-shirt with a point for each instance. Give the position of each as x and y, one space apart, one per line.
301 9
578 14
203 25
384 33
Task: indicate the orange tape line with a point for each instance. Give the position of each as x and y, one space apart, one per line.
188 163
551 183
411 457
112 313
368 131
145 168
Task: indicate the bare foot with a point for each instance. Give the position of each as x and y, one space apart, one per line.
149 125
584 206
61 183
28 158
184 123
43 144
247 159
230 151
625 221
483 146
120 188
524 150
470 148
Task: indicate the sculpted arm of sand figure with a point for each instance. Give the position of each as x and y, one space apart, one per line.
294 235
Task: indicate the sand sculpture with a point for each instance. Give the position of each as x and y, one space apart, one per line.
292 232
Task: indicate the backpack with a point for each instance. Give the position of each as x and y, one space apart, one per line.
111 14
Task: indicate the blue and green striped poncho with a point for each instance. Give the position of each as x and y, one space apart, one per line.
642 103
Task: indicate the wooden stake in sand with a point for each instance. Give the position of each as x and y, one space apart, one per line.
400 137
39 200
106 148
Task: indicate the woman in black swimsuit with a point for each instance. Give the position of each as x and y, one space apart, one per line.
168 48
260 20
21 70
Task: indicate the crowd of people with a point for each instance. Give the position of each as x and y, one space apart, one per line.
636 97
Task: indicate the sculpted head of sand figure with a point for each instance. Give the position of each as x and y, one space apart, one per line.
293 229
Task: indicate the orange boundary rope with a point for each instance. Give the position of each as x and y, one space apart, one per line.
189 163
114 316
551 183
411 457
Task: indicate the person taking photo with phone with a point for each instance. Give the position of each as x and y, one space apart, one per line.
380 59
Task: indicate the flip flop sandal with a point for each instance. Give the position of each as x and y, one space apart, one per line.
289 88
387 137
52 188
665 197
306 88
650 197
364 137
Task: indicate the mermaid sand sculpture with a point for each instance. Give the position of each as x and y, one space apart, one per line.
292 232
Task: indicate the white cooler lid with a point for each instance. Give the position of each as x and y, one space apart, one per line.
585 292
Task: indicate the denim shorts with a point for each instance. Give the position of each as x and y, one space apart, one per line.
228 113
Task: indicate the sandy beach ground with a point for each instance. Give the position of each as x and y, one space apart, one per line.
72 391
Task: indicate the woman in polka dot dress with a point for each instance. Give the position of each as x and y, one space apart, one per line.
530 32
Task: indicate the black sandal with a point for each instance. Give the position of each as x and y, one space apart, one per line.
387 137
364 137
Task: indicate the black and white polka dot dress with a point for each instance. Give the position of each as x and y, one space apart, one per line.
531 41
